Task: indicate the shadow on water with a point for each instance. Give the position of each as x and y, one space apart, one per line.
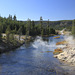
33 58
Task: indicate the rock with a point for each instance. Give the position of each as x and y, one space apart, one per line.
73 48
57 51
55 56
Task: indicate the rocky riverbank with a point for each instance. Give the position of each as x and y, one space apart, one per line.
5 47
14 43
68 53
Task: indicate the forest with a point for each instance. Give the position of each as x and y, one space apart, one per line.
11 25
24 27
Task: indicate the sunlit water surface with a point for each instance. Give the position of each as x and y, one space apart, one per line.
33 58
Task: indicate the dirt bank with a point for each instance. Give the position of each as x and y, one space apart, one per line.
5 47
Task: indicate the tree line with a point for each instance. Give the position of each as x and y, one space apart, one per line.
11 25
25 28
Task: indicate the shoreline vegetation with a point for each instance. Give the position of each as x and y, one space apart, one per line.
5 47
12 42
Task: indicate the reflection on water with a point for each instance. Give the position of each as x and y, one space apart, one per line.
31 59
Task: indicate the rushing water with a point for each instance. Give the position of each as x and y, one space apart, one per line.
32 58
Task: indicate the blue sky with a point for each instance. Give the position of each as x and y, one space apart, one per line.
33 9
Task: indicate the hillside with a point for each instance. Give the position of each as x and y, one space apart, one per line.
57 24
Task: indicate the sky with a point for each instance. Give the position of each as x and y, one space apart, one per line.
49 9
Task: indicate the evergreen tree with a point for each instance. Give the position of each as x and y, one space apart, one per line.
14 18
33 28
10 17
52 31
41 25
47 27
0 32
23 30
42 32
20 32
73 27
28 27
33 25
12 35
8 31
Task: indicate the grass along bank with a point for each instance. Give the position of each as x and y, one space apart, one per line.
13 42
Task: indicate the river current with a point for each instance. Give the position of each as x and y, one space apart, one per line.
32 58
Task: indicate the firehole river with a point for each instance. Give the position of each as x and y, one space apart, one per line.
32 58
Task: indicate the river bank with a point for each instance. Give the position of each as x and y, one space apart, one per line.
33 58
68 53
12 44
5 47
16 42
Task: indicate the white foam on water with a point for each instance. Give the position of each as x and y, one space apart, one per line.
42 45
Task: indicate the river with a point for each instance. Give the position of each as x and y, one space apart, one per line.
32 58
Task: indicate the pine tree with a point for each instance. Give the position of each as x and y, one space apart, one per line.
41 25
8 31
47 27
73 27
32 28
52 31
28 27
14 18
0 32
20 32
33 25
10 17
42 32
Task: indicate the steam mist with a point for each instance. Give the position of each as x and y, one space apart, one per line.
69 38
39 44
